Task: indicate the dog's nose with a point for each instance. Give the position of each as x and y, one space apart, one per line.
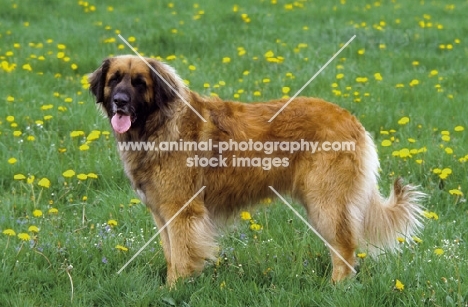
121 99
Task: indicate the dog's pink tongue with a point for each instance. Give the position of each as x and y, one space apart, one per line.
121 123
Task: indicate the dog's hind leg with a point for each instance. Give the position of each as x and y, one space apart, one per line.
336 228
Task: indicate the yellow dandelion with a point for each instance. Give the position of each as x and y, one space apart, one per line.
9 232
53 211
430 215
83 147
285 89
439 251
30 179
12 160
19 177
92 175
37 213
255 227
121 248
82 176
456 192
44 182
24 236
417 240
378 76
399 285
112 223
33 228
404 120
27 67
362 255
68 173
386 143
77 133
459 128
226 60
401 239
245 215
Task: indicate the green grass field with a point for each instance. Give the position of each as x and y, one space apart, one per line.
69 219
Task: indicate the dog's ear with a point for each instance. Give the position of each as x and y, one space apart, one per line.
166 84
97 81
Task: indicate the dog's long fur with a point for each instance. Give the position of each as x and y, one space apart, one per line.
337 188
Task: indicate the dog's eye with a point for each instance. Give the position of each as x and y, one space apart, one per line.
139 82
114 79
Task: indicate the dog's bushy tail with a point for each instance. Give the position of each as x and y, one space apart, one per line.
388 219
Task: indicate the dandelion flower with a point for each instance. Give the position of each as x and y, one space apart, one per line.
44 182
12 160
439 251
362 255
68 173
459 128
19 177
33 228
386 143
255 227
430 215
24 236
92 175
53 211
82 176
83 147
9 232
112 223
456 192
399 285
245 215
403 121
121 248
37 213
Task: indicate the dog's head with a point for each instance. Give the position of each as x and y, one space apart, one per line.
131 89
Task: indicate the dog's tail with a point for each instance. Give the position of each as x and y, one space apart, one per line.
397 216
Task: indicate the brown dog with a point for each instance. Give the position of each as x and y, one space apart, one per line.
237 154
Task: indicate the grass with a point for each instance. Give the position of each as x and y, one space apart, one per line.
403 77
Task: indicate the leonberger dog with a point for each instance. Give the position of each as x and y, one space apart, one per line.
147 102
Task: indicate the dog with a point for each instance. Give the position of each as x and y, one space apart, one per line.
145 100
